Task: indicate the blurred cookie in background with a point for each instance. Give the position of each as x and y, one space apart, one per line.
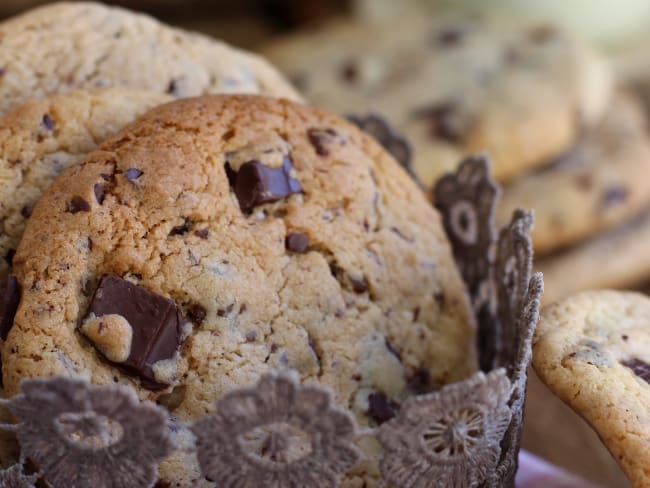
455 84
91 45
598 184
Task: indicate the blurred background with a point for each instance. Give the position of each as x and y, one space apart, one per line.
619 30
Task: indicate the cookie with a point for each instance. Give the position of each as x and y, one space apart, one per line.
64 46
455 84
41 138
244 234
595 186
616 259
593 351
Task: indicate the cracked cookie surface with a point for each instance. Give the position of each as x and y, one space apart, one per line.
41 138
64 46
593 351
455 85
285 236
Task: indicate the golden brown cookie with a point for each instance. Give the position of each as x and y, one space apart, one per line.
245 234
41 138
593 351
63 46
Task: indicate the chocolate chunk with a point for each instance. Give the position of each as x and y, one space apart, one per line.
449 37
380 408
197 313
416 313
542 33
614 195
439 297
640 368
443 121
26 211
9 257
322 139
180 230
132 174
98 189
222 312
156 323
251 335
172 87
350 71
78 204
297 242
255 184
387 136
359 285
48 123
202 233
420 381
9 300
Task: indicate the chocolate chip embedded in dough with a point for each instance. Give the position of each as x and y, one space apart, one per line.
156 323
132 174
297 242
255 184
640 368
78 204
381 408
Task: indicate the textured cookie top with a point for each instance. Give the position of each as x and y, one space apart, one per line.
283 236
64 46
41 138
455 84
593 351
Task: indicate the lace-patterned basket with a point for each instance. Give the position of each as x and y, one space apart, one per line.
465 435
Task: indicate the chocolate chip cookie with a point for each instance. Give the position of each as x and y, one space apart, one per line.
593 351
41 138
595 186
64 46
615 259
221 237
455 84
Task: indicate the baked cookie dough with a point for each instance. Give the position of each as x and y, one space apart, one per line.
455 84
598 184
593 351
41 138
63 46
615 259
264 235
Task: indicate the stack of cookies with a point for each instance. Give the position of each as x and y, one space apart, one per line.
563 138
184 248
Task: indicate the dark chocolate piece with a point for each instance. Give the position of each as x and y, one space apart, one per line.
640 368
450 37
132 174
99 192
380 408
9 257
255 184
359 285
251 335
420 381
614 195
202 233
9 300
321 139
197 313
48 123
443 121
155 320
26 211
387 136
78 204
180 230
297 242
